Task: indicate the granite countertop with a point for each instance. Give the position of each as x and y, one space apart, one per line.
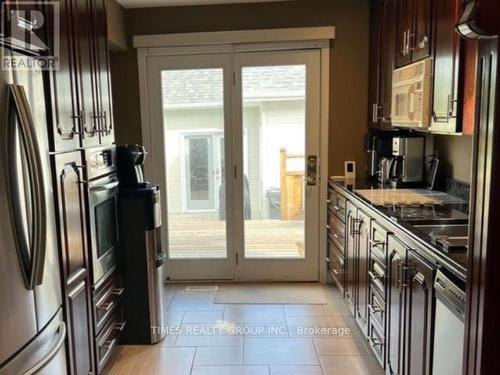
416 202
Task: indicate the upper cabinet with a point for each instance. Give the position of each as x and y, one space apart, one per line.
382 61
451 104
413 30
407 31
80 88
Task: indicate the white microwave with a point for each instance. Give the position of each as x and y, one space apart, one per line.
411 95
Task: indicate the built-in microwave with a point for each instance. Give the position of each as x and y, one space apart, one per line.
411 95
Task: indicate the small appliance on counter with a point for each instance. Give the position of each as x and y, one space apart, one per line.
378 147
141 252
407 167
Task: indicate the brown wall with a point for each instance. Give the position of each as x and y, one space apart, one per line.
455 155
349 60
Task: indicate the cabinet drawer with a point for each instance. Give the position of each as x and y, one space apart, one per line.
376 307
336 265
337 204
377 342
106 300
378 243
336 230
107 340
377 278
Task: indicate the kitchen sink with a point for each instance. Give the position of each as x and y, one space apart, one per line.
443 230
451 237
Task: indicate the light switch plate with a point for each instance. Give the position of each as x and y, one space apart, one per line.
350 170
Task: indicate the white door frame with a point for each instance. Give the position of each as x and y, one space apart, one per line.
153 166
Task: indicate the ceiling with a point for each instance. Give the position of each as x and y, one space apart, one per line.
167 3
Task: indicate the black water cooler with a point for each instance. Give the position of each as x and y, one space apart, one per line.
141 254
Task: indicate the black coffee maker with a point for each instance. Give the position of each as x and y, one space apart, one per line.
141 254
130 159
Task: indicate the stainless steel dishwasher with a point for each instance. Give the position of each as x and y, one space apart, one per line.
449 325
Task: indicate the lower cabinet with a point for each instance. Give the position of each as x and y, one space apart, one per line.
389 289
75 262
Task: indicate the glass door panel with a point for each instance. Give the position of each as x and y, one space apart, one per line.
193 118
274 121
277 98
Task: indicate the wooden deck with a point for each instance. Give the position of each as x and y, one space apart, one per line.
204 236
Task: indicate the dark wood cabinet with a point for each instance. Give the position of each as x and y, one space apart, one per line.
414 30
419 315
361 270
66 127
420 39
404 30
87 100
447 94
395 306
102 76
350 255
75 262
382 61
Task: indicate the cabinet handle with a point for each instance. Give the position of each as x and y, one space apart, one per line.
376 243
403 52
450 108
373 276
375 342
118 291
82 117
375 117
423 42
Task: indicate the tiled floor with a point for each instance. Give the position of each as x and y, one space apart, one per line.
205 338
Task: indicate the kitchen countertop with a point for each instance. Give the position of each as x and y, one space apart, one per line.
431 203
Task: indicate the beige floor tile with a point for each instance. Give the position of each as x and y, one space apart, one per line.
153 360
344 346
350 365
219 356
193 301
208 340
281 351
230 370
296 370
254 314
191 317
337 307
320 326
305 310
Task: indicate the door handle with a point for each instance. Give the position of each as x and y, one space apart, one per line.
51 354
312 170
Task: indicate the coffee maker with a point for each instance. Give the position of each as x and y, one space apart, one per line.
378 148
407 167
141 254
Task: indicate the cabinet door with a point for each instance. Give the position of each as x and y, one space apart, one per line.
362 272
446 66
396 307
65 124
350 249
79 329
388 38
102 78
373 91
405 31
74 260
87 99
420 39
419 307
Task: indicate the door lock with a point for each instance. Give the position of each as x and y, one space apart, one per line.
312 173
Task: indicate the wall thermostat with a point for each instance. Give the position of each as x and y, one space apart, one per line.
350 170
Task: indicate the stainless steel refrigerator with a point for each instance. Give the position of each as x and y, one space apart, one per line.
32 329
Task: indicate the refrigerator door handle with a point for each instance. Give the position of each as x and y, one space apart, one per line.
51 354
31 245
41 204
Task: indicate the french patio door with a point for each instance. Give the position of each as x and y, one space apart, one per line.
234 146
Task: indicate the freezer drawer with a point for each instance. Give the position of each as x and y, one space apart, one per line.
46 355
